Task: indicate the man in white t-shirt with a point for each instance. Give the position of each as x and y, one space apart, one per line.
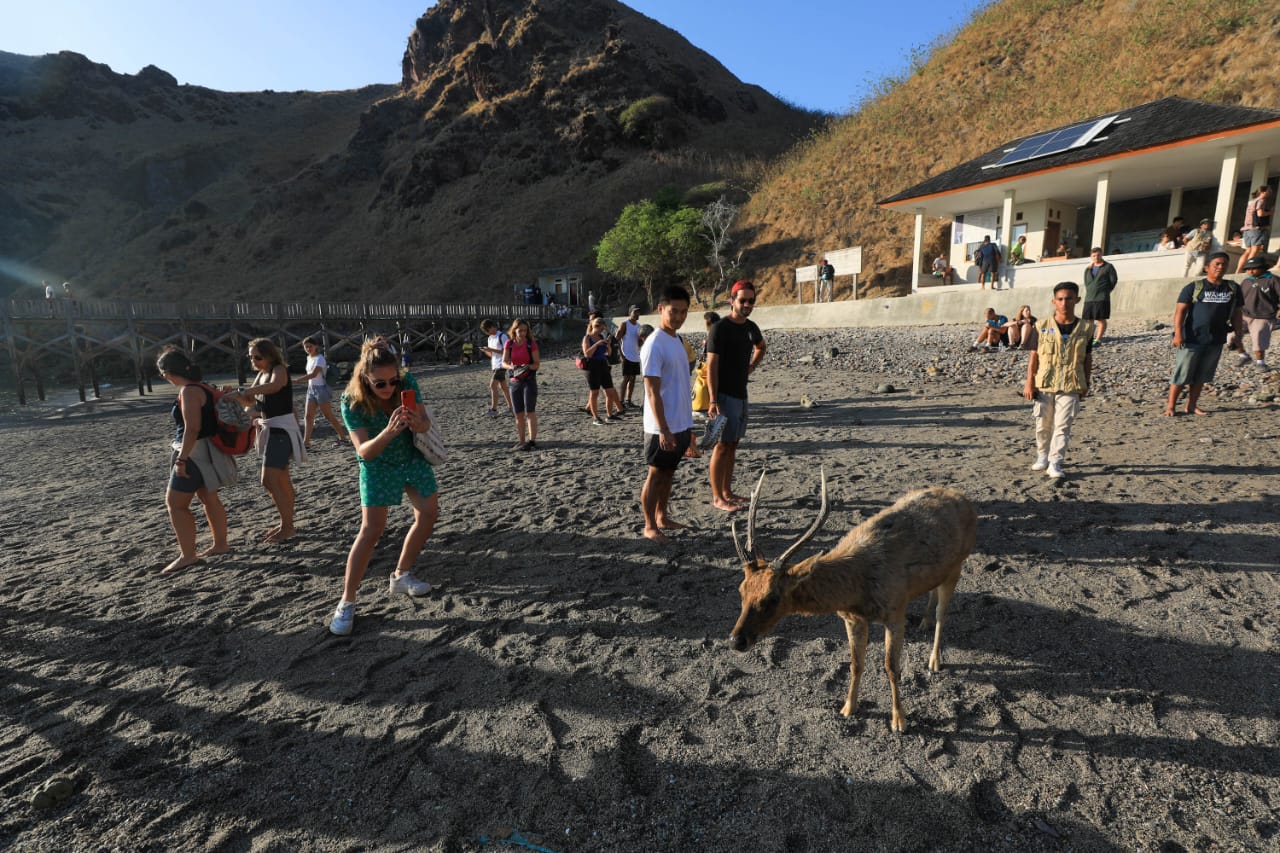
628 337
496 340
668 410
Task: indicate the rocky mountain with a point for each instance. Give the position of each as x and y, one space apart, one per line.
519 130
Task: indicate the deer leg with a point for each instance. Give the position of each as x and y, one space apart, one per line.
944 591
893 631
928 610
857 630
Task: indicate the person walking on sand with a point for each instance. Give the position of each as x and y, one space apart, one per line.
1058 375
382 429
1260 297
628 338
495 340
596 346
735 348
319 395
668 411
1207 310
1099 280
279 438
521 360
198 469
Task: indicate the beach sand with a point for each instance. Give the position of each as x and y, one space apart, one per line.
1109 679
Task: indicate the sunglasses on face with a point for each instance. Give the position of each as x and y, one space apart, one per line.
746 301
379 384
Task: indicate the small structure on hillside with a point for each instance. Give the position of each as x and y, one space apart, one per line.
1114 181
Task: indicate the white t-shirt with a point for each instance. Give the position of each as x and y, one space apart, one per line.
314 361
631 340
664 356
496 342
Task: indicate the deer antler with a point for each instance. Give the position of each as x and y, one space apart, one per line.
752 551
780 564
742 555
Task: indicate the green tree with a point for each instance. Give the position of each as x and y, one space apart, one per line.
635 247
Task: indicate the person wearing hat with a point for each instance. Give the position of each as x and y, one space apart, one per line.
1207 310
1200 244
1260 293
628 338
1257 225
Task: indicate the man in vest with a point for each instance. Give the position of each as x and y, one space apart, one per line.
1207 310
1058 377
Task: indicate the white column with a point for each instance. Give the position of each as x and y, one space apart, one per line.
1226 193
1175 205
1006 233
1261 169
917 246
1101 201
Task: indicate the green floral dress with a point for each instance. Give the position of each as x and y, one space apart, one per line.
384 479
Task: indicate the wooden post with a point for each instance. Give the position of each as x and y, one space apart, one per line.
135 348
13 357
72 342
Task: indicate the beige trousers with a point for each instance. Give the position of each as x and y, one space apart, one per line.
1054 414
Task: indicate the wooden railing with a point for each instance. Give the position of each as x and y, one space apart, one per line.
101 309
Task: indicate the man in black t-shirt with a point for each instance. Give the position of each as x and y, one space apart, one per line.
1207 310
735 346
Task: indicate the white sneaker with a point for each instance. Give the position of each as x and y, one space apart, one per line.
1055 471
408 584
1245 358
1040 464
1260 364
343 618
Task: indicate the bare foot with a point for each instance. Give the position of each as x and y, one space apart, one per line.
1169 413
727 506
279 535
739 499
1197 411
214 550
179 564
656 535
668 524
271 531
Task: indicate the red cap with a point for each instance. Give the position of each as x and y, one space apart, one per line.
742 284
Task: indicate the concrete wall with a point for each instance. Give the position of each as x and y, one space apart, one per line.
1153 299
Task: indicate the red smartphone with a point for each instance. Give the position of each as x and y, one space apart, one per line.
407 400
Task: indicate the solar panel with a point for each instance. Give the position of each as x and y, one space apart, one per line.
1054 142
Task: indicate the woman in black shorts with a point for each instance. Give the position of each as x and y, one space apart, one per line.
279 437
197 468
596 347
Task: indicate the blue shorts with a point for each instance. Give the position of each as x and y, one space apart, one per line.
279 449
735 411
319 394
190 484
1255 237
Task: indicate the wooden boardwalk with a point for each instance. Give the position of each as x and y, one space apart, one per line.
45 338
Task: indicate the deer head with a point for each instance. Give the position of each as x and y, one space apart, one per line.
764 588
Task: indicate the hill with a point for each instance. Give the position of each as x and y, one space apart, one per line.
516 136
1019 66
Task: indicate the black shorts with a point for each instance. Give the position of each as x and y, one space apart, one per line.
630 368
665 460
190 484
599 375
279 449
1100 310
499 375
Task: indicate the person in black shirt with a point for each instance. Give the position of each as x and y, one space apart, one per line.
735 347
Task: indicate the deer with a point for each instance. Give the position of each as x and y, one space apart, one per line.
917 545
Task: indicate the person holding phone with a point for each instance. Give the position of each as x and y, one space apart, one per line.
382 410
521 360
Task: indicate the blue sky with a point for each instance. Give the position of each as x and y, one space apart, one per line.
822 54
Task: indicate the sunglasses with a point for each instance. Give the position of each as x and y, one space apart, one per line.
379 384
747 301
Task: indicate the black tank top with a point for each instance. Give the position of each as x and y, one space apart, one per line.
208 417
279 402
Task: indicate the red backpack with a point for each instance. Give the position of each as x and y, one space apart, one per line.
233 433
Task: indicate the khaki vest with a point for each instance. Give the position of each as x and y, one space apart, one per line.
1061 368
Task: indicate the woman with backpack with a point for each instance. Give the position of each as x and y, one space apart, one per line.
279 438
382 428
521 360
197 469
319 396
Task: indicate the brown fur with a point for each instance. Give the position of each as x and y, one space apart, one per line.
918 545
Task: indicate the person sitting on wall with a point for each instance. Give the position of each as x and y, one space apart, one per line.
1063 250
943 270
1018 252
1169 239
994 333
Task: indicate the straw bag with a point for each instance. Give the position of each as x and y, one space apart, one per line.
431 443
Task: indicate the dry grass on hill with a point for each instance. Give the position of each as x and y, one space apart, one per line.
1020 66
